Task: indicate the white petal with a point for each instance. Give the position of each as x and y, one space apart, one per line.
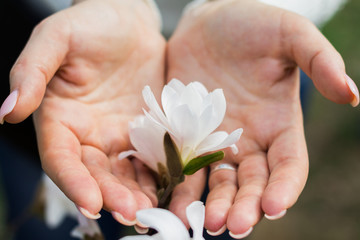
234 149
150 117
177 85
185 126
169 100
126 154
195 214
231 139
191 97
214 107
165 222
137 122
151 102
146 159
218 101
201 89
211 141
207 122
149 143
210 144
147 138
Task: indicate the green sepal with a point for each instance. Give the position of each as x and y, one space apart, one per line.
173 159
163 177
160 193
174 169
197 163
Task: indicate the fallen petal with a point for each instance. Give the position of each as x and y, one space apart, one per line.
165 222
195 214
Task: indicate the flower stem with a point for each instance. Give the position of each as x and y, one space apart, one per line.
166 196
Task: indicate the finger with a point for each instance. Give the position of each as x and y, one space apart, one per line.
146 181
246 211
288 164
185 193
319 60
60 154
223 187
36 65
121 195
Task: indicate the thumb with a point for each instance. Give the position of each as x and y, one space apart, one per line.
36 65
320 61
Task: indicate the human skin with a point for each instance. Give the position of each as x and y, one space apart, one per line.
82 70
252 51
86 66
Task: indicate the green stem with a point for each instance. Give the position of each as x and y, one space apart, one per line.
166 196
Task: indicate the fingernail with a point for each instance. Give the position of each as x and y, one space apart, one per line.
242 235
8 105
218 232
120 218
87 214
353 88
139 224
276 216
141 230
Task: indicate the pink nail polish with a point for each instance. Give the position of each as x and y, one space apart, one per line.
241 235
120 218
218 232
141 230
87 214
8 105
353 88
276 216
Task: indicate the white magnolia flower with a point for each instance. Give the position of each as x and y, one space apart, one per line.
148 139
58 206
169 226
189 114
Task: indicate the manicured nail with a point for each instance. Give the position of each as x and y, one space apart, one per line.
218 232
141 230
242 235
120 218
353 88
8 105
276 216
87 214
139 224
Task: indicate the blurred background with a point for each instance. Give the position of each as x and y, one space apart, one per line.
329 207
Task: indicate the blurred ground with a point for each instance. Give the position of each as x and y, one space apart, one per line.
329 207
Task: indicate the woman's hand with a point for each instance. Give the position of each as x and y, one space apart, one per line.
252 51
85 67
